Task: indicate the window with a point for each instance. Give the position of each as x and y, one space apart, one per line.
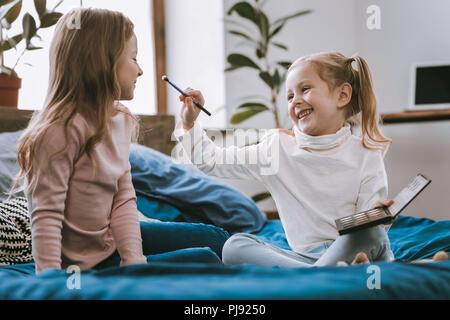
195 55
33 66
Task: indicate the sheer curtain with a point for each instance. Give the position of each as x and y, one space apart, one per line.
33 66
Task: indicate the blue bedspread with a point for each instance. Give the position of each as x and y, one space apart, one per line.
411 238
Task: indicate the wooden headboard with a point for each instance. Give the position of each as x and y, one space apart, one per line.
155 130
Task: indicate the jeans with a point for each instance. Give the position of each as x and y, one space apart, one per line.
177 242
242 248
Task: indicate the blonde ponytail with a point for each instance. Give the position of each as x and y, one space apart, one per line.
366 103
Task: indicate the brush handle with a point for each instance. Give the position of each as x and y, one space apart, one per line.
201 108
193 100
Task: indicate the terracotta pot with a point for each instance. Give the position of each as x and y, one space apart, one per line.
9 90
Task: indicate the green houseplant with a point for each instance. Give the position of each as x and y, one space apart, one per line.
10 82
261 37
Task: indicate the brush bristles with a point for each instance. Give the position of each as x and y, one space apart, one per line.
165 78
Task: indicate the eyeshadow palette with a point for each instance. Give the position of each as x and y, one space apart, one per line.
383 215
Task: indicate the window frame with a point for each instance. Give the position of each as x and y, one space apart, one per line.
159 50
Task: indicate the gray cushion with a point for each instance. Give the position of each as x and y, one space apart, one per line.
8 162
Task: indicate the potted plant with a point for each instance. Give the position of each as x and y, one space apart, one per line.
261 37
10 82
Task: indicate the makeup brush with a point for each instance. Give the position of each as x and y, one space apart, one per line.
184 94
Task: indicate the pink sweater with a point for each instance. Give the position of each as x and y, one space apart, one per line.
77 218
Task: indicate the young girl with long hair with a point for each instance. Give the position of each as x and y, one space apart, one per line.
320 172
74 156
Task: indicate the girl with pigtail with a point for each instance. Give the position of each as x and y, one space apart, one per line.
324 170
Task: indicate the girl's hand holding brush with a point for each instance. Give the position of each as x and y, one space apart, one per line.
189 112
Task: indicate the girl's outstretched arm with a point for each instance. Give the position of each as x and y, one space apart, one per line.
225 162
229 162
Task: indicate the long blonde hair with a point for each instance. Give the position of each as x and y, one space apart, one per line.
335 69
82 80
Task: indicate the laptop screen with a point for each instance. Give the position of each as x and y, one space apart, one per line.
432 85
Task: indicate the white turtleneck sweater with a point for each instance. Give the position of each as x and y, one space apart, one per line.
312 179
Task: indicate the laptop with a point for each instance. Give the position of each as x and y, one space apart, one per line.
383 215
429 86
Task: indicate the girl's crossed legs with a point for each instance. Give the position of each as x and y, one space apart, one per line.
177 242
246 248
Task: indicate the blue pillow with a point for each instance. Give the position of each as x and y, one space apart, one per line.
199 197
157 209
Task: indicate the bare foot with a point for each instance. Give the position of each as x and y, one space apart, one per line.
360 258
441 256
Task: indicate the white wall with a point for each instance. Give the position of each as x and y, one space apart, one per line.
411 31
195 55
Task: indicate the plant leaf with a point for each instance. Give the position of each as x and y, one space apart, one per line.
241 34
239 61
10 43
49 19
3 2
279 45
245 10
31 46
259 53
29 27
245 115
263 25
41 7
292 16
11 11
267 78
276 79
276 30
231 69
253 104
8 71
261 196
284 64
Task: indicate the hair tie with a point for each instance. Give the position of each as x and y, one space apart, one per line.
350 63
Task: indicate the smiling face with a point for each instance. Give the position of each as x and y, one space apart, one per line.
313 108
128 69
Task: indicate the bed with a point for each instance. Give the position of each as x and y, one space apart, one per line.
171 197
